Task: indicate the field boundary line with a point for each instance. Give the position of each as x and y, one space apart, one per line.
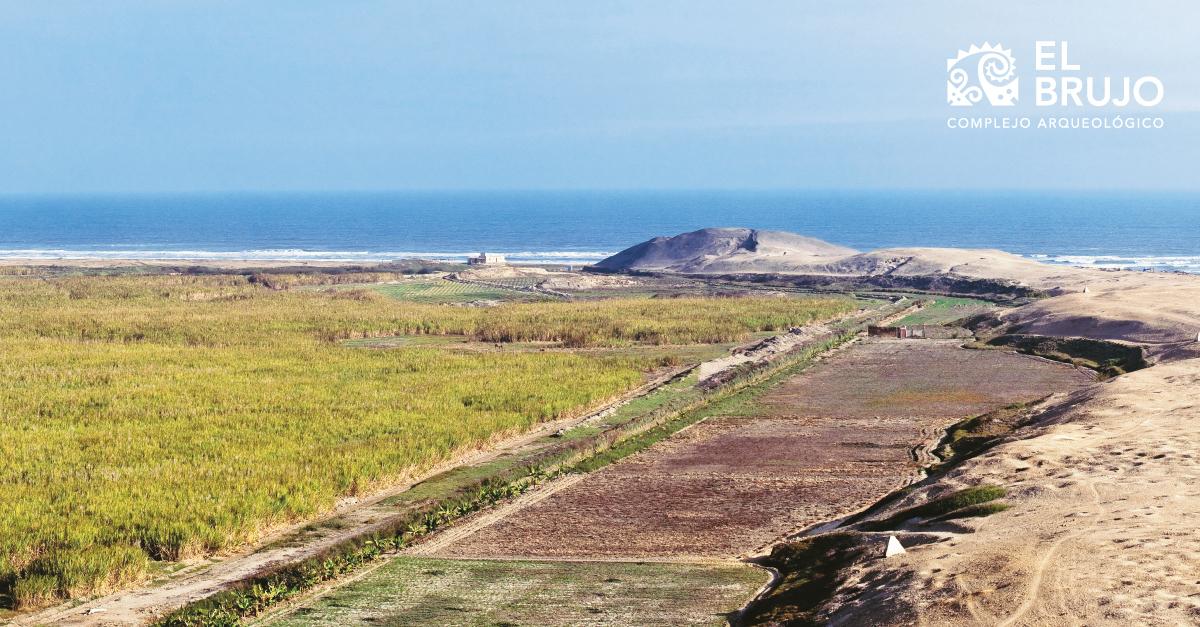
485 518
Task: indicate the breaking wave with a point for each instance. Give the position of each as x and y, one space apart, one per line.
297 254
1162 263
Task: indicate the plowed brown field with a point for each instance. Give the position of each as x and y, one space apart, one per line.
818 446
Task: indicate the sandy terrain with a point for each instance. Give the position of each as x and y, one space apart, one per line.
1105 492
821 445
1158 310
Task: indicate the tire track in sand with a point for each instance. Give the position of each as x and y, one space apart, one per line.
1039 572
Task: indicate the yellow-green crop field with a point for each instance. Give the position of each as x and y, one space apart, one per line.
165 417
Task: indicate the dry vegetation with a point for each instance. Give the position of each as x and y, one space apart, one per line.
163 417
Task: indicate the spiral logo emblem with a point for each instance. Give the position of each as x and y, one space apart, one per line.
980 72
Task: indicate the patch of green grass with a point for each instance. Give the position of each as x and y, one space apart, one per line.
971 436
939 507
975 511
408 341
945 310
1110 359
443 291
810 571
430 290
426 591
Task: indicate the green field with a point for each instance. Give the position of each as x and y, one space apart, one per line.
167 417
412 591
443 291
945 310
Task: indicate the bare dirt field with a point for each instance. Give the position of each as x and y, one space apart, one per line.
818 446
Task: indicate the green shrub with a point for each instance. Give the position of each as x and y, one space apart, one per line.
975 511
938 507
810 570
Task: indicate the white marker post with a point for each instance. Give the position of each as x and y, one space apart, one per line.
893 547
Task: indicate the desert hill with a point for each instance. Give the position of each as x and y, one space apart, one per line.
744 250
722 250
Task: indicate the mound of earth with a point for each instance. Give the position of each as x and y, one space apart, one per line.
751 251
575 281
720 250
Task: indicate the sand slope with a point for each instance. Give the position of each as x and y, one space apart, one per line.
960 262
1160 311
1105 491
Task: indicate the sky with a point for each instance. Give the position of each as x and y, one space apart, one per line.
170 96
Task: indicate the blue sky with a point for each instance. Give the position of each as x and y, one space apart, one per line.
126 96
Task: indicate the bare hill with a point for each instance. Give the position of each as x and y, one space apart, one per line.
963 262
743 250
723 250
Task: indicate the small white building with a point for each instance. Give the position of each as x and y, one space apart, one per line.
487 259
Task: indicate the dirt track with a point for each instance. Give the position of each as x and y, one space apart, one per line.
821 445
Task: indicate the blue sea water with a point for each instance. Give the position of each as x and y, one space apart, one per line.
1110 229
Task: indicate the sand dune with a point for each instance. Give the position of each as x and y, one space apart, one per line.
962 262
1159 311
1105 489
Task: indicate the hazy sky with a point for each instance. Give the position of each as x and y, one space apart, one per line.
297 95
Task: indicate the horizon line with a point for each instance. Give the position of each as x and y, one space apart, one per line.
501 190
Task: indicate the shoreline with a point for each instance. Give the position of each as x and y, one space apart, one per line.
221 264
247 260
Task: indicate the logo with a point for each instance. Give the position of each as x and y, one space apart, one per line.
985 70
1064 95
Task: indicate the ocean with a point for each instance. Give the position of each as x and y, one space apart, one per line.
1105 229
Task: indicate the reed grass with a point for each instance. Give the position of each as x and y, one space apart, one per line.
167 417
